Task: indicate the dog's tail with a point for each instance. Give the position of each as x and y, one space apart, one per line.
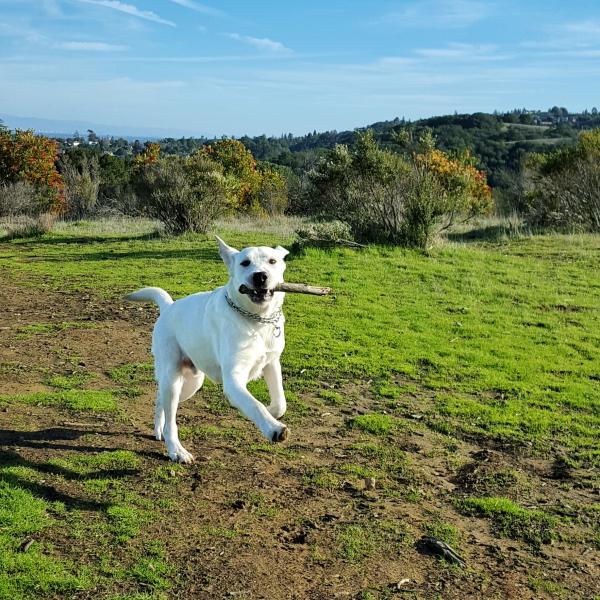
154 294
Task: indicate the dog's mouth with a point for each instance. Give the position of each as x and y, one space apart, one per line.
257 295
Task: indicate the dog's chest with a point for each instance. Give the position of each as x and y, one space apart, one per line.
264 347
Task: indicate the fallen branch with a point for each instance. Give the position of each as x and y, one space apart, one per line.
320 242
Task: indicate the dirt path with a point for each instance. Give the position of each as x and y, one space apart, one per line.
249 520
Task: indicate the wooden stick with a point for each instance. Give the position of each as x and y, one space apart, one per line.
302 288
295 288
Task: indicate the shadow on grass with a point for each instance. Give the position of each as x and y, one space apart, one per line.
10 458
200 254
57 439
56 240
490 233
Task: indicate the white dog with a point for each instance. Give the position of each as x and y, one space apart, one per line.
229 336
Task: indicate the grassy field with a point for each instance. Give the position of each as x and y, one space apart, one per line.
454 393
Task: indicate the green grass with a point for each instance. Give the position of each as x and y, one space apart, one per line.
505 335
37 572
48 328
375 423
511 520
355 542
498 341
91 400
69 382
444 531
86 464
133 373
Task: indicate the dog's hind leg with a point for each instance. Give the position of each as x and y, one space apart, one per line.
169 390
274 381
193 378
159 418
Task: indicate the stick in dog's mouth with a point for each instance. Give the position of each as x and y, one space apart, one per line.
256 295
296 288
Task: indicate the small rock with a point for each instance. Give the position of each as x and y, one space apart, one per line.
370 483
172 473
402 583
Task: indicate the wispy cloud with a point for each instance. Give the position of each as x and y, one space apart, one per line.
51 8
201 8
261 43
90 46
456 51
130 9
438 13
588 27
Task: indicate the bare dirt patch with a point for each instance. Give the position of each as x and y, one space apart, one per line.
335 512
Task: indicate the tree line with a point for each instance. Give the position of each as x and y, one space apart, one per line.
394 182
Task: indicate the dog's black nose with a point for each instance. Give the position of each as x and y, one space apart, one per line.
259 279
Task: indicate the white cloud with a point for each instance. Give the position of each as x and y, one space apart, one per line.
90 46
583 27
261 43
201 8
438 13
129 9
51 8
457 51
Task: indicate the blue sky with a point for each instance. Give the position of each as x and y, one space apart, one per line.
236 67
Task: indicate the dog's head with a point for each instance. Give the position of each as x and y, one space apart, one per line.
255 271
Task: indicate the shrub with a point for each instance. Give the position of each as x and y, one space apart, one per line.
18 199
387 197
272 193
249 189
239 169
31 158
564 186
327 233
81 176
182 193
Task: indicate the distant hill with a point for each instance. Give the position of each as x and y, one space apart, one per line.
64 128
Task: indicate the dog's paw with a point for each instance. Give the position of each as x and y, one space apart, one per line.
280 435
181 455
158 434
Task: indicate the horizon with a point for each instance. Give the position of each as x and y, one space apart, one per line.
101 131
233 69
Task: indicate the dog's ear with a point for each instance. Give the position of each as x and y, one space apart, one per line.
227 252
282 251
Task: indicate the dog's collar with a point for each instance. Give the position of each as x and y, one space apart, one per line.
272 320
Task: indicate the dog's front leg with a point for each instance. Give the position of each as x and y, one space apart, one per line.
235 389
274 380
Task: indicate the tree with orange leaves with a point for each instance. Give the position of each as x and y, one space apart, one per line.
27 157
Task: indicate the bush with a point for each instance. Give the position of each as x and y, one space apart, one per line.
386 197
327 233
564 186
25 157
18 199
272 193
182 193
82 181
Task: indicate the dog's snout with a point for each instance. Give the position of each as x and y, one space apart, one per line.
259 278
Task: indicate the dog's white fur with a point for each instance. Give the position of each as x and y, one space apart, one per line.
202 335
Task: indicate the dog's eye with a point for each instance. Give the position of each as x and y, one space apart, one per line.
272 261
245 263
